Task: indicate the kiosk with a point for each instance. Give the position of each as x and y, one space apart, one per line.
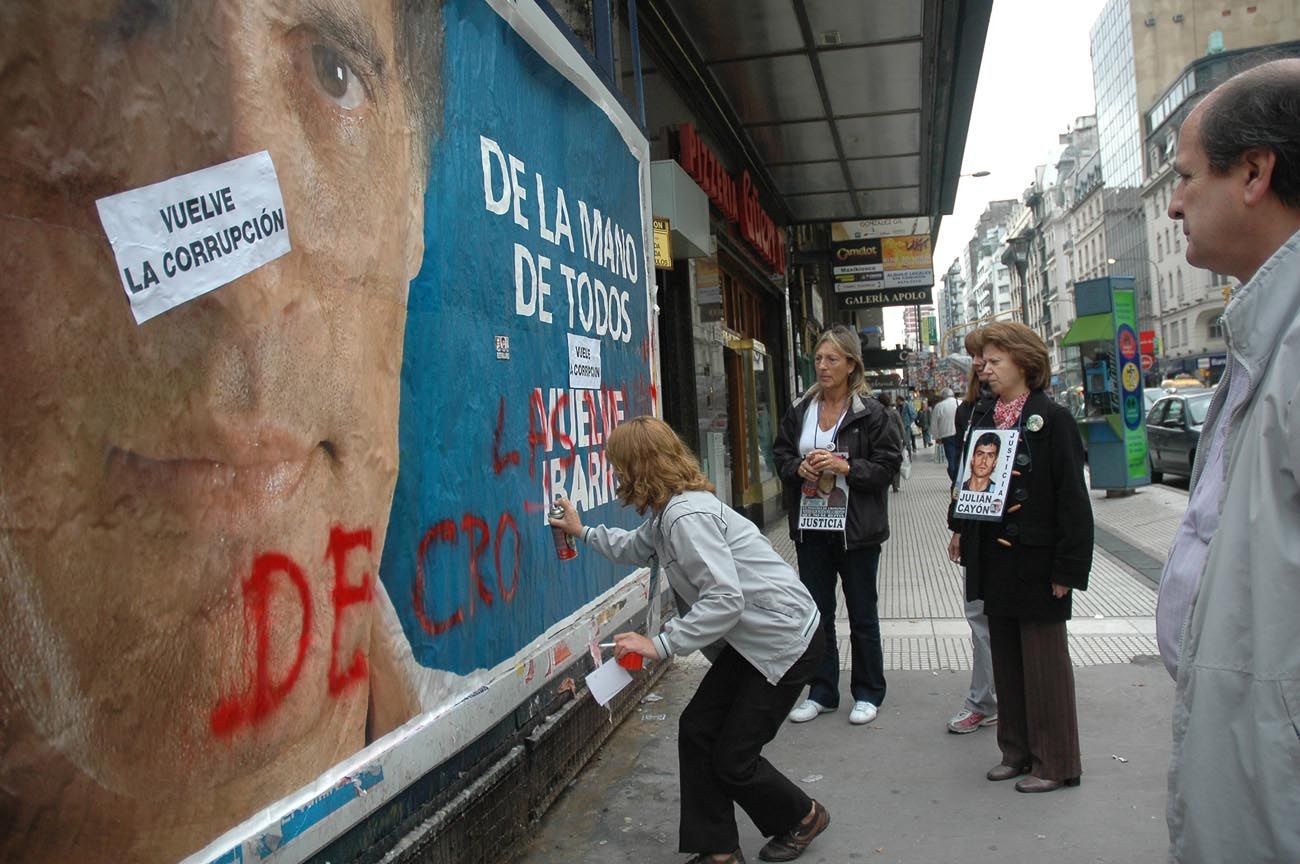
1113 424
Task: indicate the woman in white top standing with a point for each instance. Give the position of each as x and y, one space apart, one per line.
836 433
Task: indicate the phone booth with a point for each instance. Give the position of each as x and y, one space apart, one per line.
1113 424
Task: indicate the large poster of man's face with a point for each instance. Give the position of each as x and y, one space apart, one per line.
986 474
208 600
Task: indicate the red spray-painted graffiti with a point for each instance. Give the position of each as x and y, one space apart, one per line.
475 528
263 695
566 423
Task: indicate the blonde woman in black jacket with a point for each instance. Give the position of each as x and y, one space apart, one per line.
836 428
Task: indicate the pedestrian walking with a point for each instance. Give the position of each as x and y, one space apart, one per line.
747 610
1228 617
943 424
907 410
836 428
896 420
1026 565
923 422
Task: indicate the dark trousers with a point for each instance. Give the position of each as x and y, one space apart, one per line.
950 453
821 559
1038 722
721 735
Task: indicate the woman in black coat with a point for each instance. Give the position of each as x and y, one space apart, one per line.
836 430
1025 567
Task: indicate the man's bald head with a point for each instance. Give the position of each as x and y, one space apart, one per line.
1258 109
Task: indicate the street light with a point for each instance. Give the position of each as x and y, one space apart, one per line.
976 174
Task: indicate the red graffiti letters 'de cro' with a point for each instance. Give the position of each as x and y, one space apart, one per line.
345 595
235 712
263 695
477 533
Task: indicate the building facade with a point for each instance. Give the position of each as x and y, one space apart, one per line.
1115 84
952 308
1187 301
988 287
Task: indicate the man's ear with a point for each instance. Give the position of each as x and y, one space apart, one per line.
1258 164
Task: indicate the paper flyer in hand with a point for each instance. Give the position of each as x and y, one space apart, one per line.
824 505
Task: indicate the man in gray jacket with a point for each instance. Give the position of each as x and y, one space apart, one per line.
1228 620
943 425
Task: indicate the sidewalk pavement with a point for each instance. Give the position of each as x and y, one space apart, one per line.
902 789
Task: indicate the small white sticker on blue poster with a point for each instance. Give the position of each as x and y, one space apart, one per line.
584 362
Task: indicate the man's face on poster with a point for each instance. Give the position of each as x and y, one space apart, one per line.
982 462
144 470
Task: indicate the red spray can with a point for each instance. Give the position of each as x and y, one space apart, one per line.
566 547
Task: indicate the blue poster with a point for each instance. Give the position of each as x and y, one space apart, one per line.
526 342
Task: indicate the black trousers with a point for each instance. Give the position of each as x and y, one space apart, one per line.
720 740
822 557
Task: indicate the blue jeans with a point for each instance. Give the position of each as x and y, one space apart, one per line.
822 557
950 453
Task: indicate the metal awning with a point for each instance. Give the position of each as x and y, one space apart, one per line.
852 108
1090 328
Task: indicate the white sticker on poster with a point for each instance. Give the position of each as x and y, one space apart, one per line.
584 362
181 238
986 474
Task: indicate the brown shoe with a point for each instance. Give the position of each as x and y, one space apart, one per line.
1006 772
1038 784
790 845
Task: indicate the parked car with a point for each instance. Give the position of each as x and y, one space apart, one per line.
1174 432
1151 394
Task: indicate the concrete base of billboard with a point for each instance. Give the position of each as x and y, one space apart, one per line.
481 807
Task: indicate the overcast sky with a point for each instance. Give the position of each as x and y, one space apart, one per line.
1035 78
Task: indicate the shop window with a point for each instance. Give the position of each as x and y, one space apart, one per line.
740 308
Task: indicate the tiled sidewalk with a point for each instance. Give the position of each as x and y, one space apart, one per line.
921 619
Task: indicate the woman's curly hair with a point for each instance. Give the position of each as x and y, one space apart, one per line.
652 464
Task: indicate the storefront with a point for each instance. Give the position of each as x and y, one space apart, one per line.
722 329
1207 368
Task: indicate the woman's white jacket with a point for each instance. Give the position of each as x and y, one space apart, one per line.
730 584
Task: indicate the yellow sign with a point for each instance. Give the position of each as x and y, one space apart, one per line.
663 244
907 253
1130 376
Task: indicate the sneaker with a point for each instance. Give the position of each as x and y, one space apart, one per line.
791 844
967 721
807 710
862 713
